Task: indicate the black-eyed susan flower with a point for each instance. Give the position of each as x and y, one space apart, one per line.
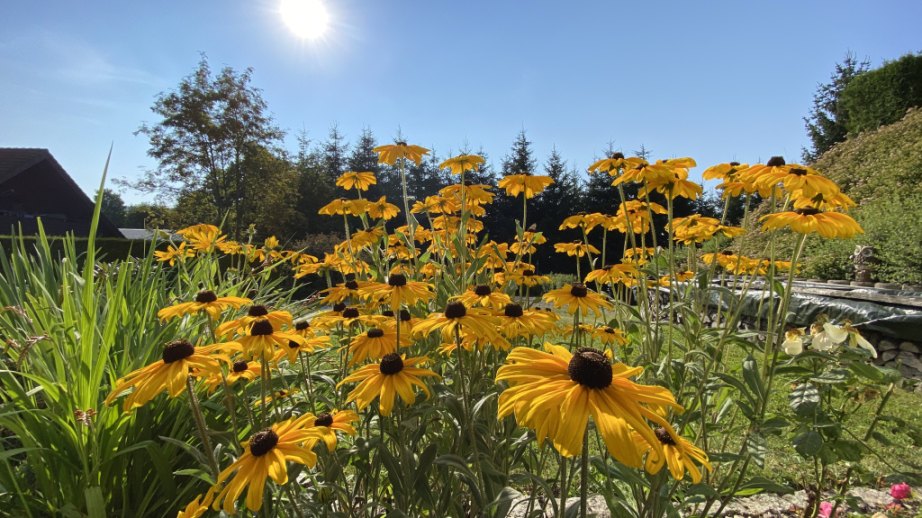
174 253
483 295
461 163
307 346
577 297
555 392
265 456
475 321
796 177
516 321
205 300
398 290
180 359
356 180
262 339
240 370
390 153
677 453
609 335
255 312
344 206
393 375
626 273
336 421
583 221
375 343
524 183
381 209
813 221
202 237
645 172
576 249
614 164
343 292
726 171
198 506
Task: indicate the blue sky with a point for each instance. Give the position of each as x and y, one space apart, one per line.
718 81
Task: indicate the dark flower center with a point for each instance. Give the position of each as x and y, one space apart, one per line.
375 333
397 279
513 310
455 310
387 313
726 252
350 313
293 345
261 327
323 420
339 307
579 290
482 290
205 296
352 285
177 350
400 143
617 155
590 368
663 435
241 366
799 172
391 363
734 164
808 211
262 442
257 311
528 273
608 330
775 161
405 315
302 325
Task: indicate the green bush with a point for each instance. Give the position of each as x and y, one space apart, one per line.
882 96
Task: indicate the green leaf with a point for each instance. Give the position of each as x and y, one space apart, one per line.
808 444
753 378
804 399
757 485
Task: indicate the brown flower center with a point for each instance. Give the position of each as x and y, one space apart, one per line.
799 172
350 313
262 442
339 307
528 273
388 313
391 363
177 350
775 161
608 330
482 290
302 325
455 310
405 315
579 290
323 420
808 211
352 285
513 310
397 279
261 327
205 297
257 311
663 435
590 368
734 164
617 155
375 333
293 345
241 366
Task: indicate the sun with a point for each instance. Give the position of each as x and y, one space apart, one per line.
307 19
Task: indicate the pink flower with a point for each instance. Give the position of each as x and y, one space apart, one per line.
825 509
900 491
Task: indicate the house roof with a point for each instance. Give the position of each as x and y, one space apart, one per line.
15 161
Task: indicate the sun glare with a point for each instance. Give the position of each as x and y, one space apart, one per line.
307 19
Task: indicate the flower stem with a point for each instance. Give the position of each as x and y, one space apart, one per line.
202 430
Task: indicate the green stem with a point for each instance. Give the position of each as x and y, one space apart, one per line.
202 429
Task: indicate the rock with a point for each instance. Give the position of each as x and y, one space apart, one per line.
888 285
886 345
912 287
909 372
910 360
872 498
839 282
862 284
909 347
888 355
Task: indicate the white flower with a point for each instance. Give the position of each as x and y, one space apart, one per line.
793 341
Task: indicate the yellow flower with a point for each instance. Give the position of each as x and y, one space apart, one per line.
390 153
202 237
392 376
813 221
205 300
577 296
587 222
180 360
645 172
240 370
197 507
436 205
615 163
576 248
515 321
342 206
262 339
355 180
265 456
619 273
675 452
726 172
530 185
475 321
338 420
308 345
174 253
381 209
794 177
375 343
255 312
555 393
462 163
398 291
343 291
483 295
609 335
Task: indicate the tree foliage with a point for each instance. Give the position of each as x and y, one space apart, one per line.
211 128
883 95
827 123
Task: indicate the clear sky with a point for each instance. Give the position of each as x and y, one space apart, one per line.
715 80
